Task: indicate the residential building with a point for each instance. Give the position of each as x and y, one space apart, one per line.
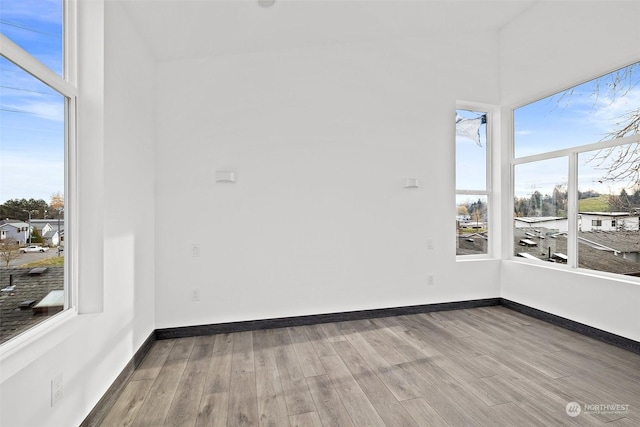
48 229
558 224
608 221
16 230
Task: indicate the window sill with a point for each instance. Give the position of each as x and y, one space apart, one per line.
479 257
19 352
580 271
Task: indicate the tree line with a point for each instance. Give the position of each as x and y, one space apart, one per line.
555 204
20 208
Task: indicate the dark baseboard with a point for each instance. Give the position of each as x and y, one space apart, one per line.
581 328
284 322
97 414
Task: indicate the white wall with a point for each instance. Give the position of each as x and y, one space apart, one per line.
612 304
92 349
553 46
558 44
321 139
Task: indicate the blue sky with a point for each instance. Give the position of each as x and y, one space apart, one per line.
584 115
581 116
31 113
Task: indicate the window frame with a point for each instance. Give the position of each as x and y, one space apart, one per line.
572 154
66 86
491 112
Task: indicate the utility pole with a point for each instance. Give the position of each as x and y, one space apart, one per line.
59 232
29 230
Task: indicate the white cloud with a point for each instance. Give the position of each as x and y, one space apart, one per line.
611 112
26 175
42 109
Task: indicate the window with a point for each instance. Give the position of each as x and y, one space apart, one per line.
472 183
37 128
576 175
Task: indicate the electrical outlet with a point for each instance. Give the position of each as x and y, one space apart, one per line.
56 389
195 250
430 280
195 295
429 244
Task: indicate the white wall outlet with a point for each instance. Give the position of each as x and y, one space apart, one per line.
430 280
195 295
56 389
430 244
195 250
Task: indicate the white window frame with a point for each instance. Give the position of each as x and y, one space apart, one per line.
572 154
491 122
65 85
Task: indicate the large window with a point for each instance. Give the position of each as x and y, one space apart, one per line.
576 175
37 105
472 183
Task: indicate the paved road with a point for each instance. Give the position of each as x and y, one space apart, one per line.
31 257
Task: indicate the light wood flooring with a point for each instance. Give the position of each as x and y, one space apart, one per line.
483 366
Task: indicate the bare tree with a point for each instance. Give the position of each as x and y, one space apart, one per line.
620 163
9 250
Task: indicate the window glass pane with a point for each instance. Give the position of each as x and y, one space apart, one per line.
473 225
471 150
540 210
35 26
32 147
603 108
609 206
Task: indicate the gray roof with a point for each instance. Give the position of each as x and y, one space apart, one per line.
621 241
28 290
14 224
589 256
472 244
50 234
537 219
612 214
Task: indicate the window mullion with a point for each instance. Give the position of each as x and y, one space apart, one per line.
31 65
572 211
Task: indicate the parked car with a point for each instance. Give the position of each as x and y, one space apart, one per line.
33 248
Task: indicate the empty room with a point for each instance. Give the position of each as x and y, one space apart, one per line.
319 213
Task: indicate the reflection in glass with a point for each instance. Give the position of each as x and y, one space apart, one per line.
471 150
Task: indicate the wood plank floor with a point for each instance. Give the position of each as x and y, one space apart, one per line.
484 366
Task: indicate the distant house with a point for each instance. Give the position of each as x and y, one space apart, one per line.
608 221
14 229
48 229
549 222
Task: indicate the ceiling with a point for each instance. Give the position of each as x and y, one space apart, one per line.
179 29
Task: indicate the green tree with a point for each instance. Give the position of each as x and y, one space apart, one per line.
20 208
36 237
